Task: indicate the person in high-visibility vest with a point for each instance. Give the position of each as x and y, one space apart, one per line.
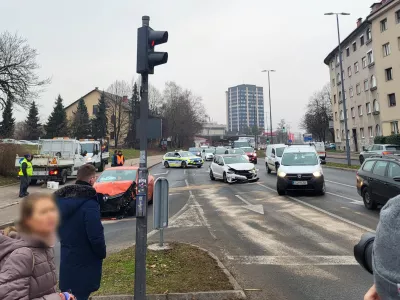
25 173
120 159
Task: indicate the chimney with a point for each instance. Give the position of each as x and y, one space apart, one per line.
125 99
359 21
375 6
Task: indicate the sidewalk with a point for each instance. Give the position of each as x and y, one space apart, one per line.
9 199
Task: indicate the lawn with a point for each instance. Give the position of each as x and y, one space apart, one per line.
344 166
8 180
182 269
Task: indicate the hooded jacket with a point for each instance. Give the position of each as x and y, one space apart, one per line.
27 269
81 236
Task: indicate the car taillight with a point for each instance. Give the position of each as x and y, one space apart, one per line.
387 152
53 172
255 154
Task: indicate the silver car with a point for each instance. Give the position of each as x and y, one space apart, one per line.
379 149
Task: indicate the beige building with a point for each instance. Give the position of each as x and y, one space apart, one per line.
385 21
113 112
360 89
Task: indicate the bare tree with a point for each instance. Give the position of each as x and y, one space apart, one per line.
155 101
118 109
318 114
18 78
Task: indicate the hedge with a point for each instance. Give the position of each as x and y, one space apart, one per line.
391 139
8 153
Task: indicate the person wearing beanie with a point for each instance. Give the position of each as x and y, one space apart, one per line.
385 256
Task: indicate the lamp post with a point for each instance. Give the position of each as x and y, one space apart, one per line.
270 109
342 83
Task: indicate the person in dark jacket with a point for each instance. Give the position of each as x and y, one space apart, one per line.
114 159
81 235
25 173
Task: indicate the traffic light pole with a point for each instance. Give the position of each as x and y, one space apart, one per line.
141 198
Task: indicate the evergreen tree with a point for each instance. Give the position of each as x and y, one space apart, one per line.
8 122
32 126
81 126
100 122
57 125
134 115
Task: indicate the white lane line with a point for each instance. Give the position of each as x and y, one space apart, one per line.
354 201
242 199
158 174
323 211
316 260
184 172
351 186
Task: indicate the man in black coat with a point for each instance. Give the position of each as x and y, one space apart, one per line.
81 235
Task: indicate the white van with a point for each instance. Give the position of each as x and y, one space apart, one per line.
273 156
320 148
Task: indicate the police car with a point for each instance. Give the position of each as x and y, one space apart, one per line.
182 159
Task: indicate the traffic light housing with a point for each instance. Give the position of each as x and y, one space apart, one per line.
147 58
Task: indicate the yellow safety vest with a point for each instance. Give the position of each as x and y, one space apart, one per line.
29 168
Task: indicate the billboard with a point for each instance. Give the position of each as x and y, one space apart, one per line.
154 128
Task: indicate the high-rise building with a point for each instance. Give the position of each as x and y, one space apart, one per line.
244 108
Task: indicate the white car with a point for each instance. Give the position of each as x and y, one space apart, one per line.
273 156
231 168
208 153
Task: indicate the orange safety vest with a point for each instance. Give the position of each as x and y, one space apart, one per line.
120 160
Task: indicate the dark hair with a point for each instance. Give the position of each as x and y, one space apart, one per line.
27 206
85 172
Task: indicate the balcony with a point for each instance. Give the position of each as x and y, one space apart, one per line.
371 65
376 112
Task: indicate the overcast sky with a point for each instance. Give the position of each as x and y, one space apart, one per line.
213 44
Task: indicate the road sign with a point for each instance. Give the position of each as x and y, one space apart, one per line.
160 206
307 137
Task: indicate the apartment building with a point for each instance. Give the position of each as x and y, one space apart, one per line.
385 23
245 107
360 89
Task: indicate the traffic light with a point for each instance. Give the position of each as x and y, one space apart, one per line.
147 58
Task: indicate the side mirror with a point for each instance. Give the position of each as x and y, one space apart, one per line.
95 152
396 178
323 162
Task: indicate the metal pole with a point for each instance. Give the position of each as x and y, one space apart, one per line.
343 95
141 198
270 109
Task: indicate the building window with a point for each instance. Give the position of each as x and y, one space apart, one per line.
368 108
392 100
349 71
333 81
353 113
332 64
362 133
364 62
342 134
337 134
370 133
362 40
370 57
386 49
338 78
394 127
345 95
360 112
373 81
356 67
389 74
369 34
334 99
95 109
384 25
347 51
366 85
341 115
351 92
377 130
354 47
376 105
397 16
340 97
398 42
358 89
335 115
337 59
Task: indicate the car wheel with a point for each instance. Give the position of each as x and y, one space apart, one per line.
166 164
183 165
268 169
199 166
101 168
255 162
212 175
369 203
361 159
63 177
322 190
225 179
281 192
131 211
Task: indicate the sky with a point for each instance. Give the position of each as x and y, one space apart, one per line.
213 45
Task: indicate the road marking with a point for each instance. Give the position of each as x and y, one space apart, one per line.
184 172
259 208
158 174
315 260
354 201
324 211
351 186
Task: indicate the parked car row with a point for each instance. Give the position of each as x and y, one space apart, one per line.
20 142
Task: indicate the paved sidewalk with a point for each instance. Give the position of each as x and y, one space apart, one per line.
9 194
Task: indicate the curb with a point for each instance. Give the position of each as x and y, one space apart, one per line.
343 169
236 294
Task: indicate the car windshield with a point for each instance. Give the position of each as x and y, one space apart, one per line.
220 151
393 148
279 151
237 151
300 159
87 147
209 151
237 159
186 154
240 144
117 175
247 149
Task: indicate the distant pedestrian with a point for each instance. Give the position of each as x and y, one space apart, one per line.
25 173
120 159
81 235
27 267
114 159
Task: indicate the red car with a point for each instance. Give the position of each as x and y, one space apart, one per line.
118 185
251 154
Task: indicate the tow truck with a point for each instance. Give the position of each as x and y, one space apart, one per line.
60 158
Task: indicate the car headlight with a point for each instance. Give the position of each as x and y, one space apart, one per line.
317 174
253 170
231 171
281 174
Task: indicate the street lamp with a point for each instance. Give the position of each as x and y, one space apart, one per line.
342 83
270 109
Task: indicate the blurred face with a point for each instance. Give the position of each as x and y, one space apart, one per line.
119 153
45 217
92 179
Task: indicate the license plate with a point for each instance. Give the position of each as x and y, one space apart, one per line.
39 173
299 182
